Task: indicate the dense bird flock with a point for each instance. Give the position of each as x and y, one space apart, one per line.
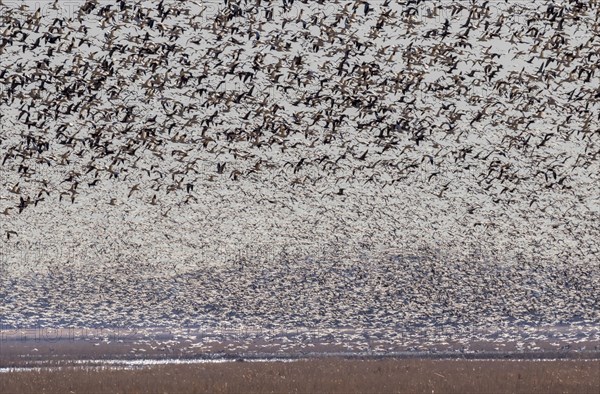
449 151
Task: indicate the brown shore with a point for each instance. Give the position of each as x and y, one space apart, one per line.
326 375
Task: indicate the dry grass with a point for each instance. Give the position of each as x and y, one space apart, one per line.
322 375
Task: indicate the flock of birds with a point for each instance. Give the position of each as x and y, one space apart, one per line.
382 307
180 132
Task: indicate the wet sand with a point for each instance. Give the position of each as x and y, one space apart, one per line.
333 375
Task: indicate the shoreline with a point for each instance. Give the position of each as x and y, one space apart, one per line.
323 375
59 347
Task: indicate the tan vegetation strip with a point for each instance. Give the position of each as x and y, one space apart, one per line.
321 375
